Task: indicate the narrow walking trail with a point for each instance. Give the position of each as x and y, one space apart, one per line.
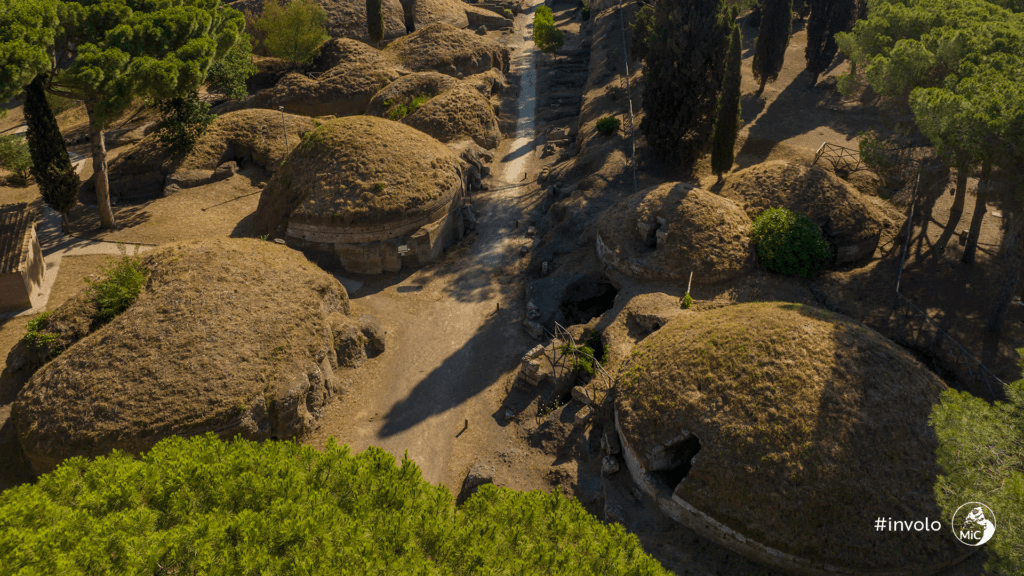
456 335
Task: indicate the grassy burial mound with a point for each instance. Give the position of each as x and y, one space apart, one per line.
441 106
228 336
253 137
851 223
357 73
670 230
426 12
281 508
360 187
443 48
805 425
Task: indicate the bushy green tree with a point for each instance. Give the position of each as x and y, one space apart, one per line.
375 20
682 78
828 18
789 243
111 52
57 179
981 453
772 39
15 155
203 506
727 125
293 32
642 30
184 120
546 35
230 73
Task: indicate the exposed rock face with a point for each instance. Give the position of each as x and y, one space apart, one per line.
478 17
355 340
229 336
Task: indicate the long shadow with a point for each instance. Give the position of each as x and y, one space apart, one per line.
875 449
466 373
804 113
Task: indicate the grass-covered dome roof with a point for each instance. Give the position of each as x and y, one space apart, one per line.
672 229
810 426
361 170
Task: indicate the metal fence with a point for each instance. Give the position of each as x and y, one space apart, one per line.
841 158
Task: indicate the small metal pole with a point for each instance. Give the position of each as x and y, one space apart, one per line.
689 283
284 127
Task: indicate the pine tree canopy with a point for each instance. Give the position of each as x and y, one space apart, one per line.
957 64
772 39
203 506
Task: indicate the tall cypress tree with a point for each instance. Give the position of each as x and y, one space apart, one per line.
772 39
684 68
51 166
827 18
375 20
728 123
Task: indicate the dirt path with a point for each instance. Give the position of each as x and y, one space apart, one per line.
454 330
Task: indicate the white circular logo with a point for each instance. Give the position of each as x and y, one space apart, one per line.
974 523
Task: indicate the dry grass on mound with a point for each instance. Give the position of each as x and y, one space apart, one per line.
446 49
810 426
800 187
456 114
408 87
361 170
256 132
707 234
222 329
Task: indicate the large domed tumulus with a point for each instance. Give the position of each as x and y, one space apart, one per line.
792 427
851 222
667 231
232 336
361 187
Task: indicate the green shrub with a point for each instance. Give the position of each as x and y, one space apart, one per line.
15 156
122 283
293 32
398 111
203 506
687 301
585 354
546 35
231 73
608 125
184 120
884 157
789 243
37 336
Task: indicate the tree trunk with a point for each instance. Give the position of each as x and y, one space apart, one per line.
1013 265
99 167
764 80
976 219
961 193
814 81
65 226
